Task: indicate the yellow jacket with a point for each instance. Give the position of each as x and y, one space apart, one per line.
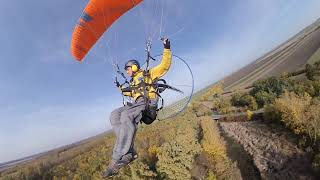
155 73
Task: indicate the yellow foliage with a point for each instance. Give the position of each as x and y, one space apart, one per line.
176 157
212 142
211 176
215 148
196 105
153 149
222 105
301 114
213 91
141 171
167 149
292 108
249 115
76 177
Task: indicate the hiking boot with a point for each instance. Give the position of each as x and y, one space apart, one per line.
114 168
129 157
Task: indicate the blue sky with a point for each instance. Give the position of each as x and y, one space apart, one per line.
47 99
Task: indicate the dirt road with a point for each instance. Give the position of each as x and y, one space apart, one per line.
272 149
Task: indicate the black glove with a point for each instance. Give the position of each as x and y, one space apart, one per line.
166 43
116 82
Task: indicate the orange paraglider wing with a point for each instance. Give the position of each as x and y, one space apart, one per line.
97 17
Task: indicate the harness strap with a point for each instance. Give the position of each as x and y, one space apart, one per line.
160 85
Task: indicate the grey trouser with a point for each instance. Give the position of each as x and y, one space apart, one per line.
124 122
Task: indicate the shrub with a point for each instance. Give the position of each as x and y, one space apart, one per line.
212 143
249 115
292 108
201 110
310 72
211 176
215 148
270 85
195 106
176 157
221 105
140 170
316 86
316 163
264 98
300 88
212 92
235 99
244 100
312 118
271 114
301 114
